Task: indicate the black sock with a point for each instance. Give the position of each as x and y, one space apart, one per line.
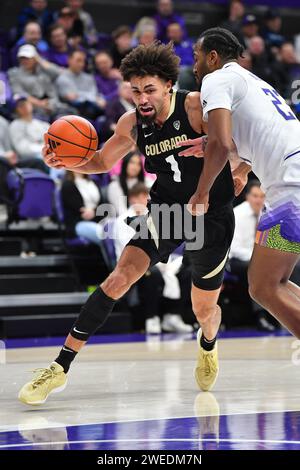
207 345
65 357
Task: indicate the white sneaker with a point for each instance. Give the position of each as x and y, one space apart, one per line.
153 326
174 324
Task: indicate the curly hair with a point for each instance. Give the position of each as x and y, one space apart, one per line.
156 59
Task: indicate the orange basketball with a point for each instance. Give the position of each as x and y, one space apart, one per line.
73 139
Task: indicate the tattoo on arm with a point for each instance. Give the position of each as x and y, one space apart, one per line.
133 132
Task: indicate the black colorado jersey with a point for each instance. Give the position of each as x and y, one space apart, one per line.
177 177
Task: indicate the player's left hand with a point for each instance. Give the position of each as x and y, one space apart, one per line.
196 148
198 204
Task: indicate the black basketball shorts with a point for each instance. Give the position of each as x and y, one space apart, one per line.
208 262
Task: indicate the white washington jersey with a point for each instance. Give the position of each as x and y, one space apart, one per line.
264 128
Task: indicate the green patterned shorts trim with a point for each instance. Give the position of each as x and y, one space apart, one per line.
272 238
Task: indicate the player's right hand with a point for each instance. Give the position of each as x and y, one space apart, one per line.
195 149
50 158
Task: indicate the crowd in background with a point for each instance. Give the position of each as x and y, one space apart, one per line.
60 62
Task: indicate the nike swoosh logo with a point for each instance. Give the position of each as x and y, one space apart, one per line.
66 349
148 135
82 332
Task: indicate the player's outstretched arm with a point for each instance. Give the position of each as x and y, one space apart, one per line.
112 151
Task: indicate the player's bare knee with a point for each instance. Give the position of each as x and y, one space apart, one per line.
255 290
203 311
262 293
117 283
120 281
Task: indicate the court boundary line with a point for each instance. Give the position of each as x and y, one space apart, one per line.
94 441
61 425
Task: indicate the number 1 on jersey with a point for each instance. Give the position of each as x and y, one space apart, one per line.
174 168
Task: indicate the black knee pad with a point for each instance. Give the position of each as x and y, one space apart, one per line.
92 315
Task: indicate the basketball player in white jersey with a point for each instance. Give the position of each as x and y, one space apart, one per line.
241 108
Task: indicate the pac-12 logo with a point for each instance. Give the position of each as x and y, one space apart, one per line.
176 124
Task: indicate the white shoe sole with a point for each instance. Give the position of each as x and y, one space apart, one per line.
55 390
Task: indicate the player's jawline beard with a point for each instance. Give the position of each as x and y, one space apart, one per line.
148 120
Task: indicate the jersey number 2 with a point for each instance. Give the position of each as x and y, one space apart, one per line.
174 168
279 104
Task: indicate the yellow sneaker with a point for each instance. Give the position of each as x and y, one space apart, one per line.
48 380
207 366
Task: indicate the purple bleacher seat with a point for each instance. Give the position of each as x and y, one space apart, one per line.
33 192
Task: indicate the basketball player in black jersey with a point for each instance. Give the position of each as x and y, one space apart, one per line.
162 118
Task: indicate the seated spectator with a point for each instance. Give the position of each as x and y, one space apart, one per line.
59 49
122 44
36 11
172 305
184 49
165 15
32 35
155 285
249 29
132 172
34 79
106 79
271 33
79 89
80 199
89 29
147 34
117 107
5 95
27 133
262 64
9 155
6 150
235 17
288 68
246 219
146 23
71 23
